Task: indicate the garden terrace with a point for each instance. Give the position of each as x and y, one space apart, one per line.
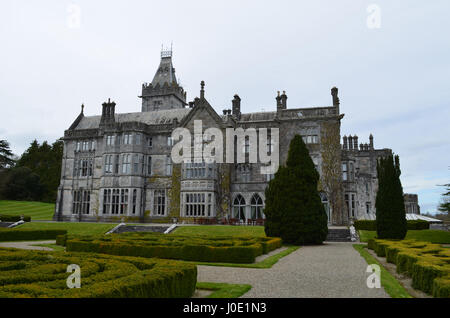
43 274
427 264
188 248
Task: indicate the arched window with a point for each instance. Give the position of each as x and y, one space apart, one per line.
256 207
239 207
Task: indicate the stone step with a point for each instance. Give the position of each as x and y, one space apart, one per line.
338 235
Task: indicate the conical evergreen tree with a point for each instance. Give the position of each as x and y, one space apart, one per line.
294 210
389 204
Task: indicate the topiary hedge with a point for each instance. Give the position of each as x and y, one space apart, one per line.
427 264
13 218
188 248
371 225
42 274
14 234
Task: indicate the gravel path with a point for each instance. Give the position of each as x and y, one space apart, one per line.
29 245
329 270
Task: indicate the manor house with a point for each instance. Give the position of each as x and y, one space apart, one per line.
118 165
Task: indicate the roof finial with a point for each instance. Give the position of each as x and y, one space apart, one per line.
202 89
82 108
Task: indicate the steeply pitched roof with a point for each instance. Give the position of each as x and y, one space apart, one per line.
166 71
149 118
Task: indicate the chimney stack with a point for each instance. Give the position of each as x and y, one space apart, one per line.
284 100
278 98
236 102
355 142
108 111
350 142
345 143
371 141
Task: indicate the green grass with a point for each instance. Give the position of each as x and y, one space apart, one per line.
223 290
432 236
266 263
389 283
37 210
220 230
71 227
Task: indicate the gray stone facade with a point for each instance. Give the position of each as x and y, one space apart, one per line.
118 165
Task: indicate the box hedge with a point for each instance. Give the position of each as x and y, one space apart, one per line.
371 225
427 264
42 274
14 234
13 218
188 248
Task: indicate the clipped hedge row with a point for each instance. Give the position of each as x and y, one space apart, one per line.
427 264
14 234
42 274
371 225
13 218
188 248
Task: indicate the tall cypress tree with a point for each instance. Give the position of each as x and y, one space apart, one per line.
390 205
294 210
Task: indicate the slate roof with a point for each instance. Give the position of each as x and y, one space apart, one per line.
149 118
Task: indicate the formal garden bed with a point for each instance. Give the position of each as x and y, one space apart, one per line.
44 274
24 234
426 263
188 248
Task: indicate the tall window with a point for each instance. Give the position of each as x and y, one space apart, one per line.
115 201
168 165
150 142
159 202
239 207
123 201
116 164
138 139
108 163
106 201
195 204
81 202
83 167
136 164
126 163
367 207
352 172
127 139
110 140
344 171
149 165
134 201
169 141
256 207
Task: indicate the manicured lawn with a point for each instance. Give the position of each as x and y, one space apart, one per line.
220 230
223 290
389 283
55 247
432 236
37 210
71 227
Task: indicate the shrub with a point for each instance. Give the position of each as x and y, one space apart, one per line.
389 203
25 234
13 218
427 264
43 274
294 210
371 225
189 248
418 225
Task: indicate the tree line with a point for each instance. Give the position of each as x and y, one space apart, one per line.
34 176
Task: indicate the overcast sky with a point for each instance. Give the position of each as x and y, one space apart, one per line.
392 72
